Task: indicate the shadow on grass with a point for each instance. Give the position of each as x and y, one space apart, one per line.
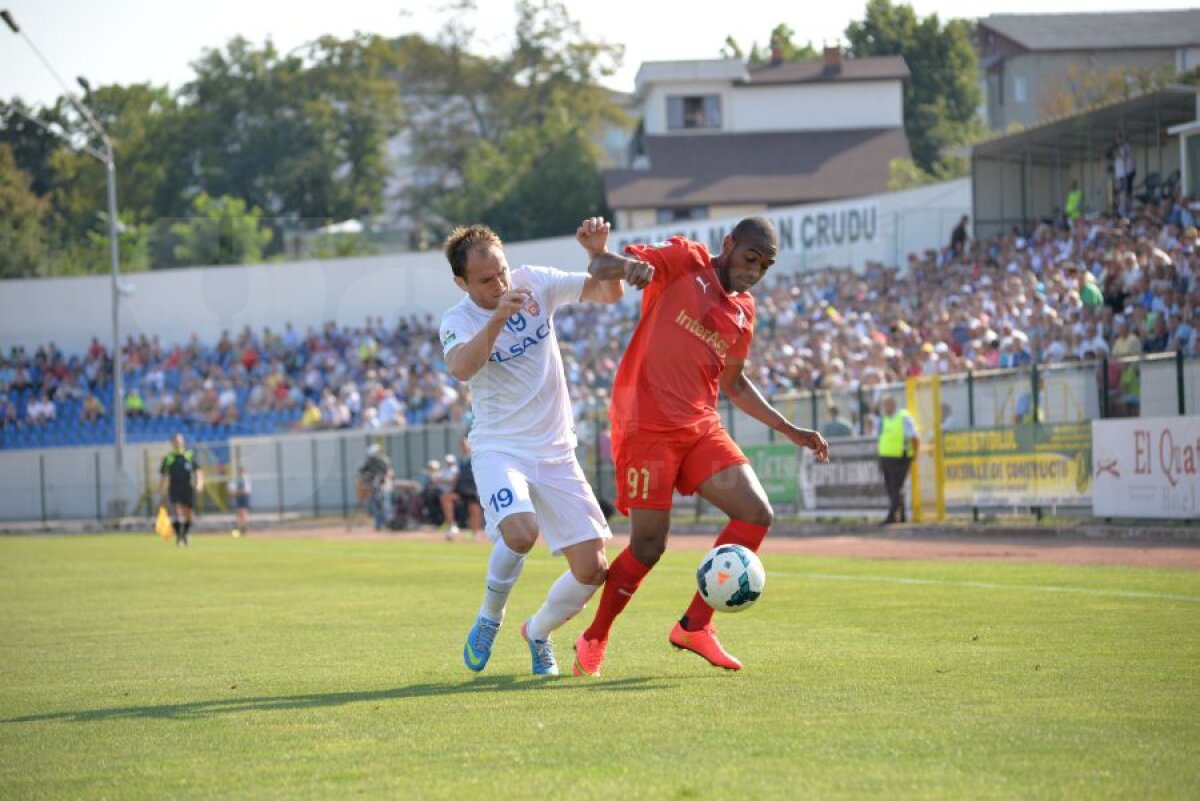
224 706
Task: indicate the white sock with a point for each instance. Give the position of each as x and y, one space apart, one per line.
504 567
566 598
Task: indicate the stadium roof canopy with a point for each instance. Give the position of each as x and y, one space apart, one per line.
1143 119
1024 176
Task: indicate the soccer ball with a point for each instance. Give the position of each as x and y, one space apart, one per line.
731 578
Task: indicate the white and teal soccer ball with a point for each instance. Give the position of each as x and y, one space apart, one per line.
731 578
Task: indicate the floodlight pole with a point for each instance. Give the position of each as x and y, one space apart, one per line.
110 168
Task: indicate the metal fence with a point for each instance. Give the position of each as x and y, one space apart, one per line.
1162 385
315 474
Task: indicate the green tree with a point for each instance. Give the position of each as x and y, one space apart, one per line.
470 116
31 135
342 246
22 238
75 183
302 137
521 182
92 254
221 231
942 96
780 43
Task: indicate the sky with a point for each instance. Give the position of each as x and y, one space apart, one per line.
136 41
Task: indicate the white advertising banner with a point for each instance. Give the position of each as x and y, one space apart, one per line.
802 229
1146 467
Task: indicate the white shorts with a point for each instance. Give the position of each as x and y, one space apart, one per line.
555 491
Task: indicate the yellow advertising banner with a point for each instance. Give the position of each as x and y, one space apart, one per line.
1027 465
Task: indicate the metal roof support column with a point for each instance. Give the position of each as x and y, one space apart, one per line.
1026 180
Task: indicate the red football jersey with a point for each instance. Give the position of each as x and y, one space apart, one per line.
668 377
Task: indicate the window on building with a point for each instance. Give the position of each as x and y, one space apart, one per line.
665 216
693 111
1020 89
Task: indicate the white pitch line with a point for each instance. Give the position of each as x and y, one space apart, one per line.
985 585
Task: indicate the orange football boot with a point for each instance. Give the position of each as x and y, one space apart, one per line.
589 655
704 643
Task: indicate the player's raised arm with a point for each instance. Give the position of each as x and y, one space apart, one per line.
606 270
743 394
465 360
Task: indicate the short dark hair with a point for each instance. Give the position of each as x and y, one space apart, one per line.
755 227
462 240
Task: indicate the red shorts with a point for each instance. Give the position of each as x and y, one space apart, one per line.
651 465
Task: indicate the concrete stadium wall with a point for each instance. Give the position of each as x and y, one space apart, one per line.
174 304
74 483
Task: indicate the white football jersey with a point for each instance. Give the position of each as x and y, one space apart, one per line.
519 398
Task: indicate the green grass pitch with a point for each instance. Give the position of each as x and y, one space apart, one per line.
310 669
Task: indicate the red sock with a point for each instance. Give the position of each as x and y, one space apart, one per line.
625 574
738 532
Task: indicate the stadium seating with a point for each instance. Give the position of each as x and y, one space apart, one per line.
1048 294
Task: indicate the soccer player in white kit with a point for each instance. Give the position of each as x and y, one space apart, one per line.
500 339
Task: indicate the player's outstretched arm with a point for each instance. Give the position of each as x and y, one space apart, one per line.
606 270
467 359
743 394
611 267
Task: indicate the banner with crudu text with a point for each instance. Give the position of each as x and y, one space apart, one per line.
1026 465
1147 467
844 227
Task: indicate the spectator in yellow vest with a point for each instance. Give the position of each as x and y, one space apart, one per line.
135 406
1074 209
898 445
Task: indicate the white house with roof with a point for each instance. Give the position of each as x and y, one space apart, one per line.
723 138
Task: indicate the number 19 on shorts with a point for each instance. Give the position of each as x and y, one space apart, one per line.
501 500
638 479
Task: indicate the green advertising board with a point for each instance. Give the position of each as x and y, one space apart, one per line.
777 466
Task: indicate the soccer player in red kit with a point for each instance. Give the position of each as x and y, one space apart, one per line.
691 341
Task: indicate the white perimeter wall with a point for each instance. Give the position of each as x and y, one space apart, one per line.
174 304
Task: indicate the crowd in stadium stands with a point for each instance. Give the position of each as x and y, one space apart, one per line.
1068 290
375 375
